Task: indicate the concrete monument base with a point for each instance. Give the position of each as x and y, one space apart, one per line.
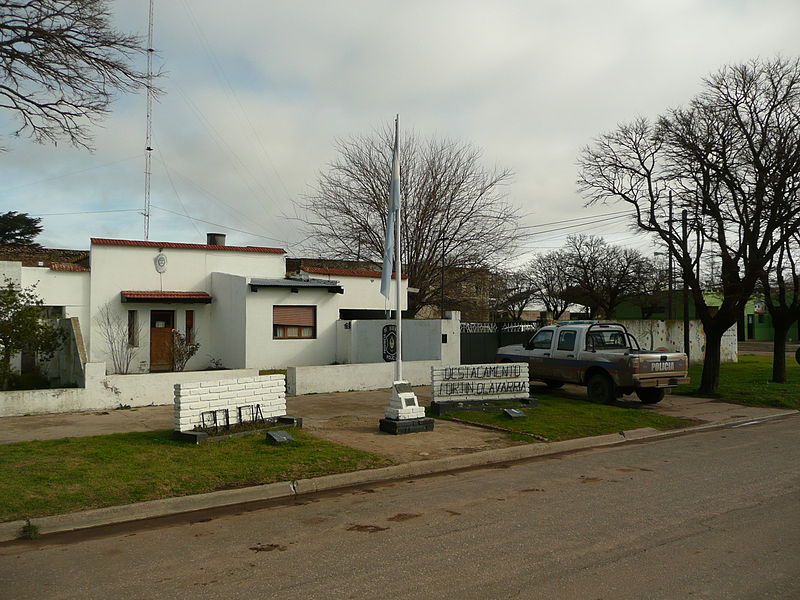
404 414
400 426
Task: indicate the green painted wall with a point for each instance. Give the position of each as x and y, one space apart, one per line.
756 326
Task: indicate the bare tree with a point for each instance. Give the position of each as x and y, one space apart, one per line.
550 279
650 288
781 287
512 293
454 210
606 275
60 63
120 339
731 159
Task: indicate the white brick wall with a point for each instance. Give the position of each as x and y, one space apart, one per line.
193 399
493 381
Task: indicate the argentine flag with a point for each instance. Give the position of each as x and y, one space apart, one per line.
391 218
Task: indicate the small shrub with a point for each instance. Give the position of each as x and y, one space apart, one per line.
33 380
29 531
215 364
183 348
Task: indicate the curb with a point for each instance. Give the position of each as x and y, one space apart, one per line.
115 515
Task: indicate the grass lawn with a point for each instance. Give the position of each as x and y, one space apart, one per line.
59 476
748 382
559 418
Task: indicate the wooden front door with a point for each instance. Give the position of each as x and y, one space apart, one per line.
162 322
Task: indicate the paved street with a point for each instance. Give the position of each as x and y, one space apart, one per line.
708 515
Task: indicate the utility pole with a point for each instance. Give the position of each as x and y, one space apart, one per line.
685 241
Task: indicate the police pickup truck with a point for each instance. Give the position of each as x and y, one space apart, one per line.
604 357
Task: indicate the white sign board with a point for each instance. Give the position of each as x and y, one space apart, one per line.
493 381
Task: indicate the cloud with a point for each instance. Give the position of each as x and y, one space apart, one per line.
256 94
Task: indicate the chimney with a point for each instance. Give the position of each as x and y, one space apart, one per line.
215 239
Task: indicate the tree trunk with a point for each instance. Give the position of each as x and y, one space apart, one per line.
709 382
779 350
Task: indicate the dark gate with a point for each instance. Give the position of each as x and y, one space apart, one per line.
480 341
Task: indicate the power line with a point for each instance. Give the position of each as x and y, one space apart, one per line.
193 183
85 212
590 225
215 63
175 191
217 224
620 212
63 175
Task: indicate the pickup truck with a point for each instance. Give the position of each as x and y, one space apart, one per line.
604 357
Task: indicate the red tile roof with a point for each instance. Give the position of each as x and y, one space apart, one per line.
346 272
158 296
68 267
31 256
182 246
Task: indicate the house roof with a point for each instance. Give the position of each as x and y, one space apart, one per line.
32 256
154 296
68 267
295 284
182 246
346 272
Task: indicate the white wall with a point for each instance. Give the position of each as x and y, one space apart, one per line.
264 352
10 270
266 393
69 289
652 334
104 392
361 341
346 378
365 292
228 330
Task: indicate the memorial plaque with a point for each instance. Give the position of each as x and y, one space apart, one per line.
514 413
403 388
278 437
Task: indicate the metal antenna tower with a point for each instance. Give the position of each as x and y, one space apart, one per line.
148 149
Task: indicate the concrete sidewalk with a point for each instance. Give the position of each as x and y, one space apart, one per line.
352 419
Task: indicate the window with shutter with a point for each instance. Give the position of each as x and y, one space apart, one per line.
294 322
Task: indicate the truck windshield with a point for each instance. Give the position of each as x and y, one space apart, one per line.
606 340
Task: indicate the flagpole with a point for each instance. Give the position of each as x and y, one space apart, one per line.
398 267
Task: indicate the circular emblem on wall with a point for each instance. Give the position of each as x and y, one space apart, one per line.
161 262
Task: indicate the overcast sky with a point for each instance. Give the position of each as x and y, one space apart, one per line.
257 92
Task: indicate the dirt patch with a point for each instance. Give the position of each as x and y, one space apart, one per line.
403 517
367 528
267 547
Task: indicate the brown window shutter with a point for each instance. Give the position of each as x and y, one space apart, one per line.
301 316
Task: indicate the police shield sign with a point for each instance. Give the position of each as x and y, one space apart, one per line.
389 343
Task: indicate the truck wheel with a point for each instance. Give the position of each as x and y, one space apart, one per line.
600 389
552 384
650 395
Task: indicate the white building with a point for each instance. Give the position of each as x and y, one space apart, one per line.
237 302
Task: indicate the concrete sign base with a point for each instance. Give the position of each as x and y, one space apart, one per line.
397 427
